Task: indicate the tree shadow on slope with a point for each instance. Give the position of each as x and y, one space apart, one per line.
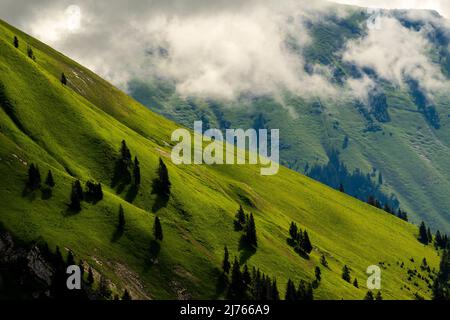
161 199
152 258
246 251
132 193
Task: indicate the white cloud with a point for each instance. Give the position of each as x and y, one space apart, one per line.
396 53
441 6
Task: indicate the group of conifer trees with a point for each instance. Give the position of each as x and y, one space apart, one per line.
303 292
93 193
245 285
399 213
246 222
425 236
34 180
299 240
89 288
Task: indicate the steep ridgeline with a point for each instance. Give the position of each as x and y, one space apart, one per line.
399 131
87 169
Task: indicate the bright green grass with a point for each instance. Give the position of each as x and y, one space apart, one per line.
78 129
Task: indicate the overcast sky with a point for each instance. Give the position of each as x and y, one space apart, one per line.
217 48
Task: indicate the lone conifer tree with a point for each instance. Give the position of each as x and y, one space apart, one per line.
49 181
240 217
126 296
70 259
236 288
306 243
291 293
34 177
16 42
355 283
157 230
423 234
369 296
318 274
30 53
163 179
293 231
250 233
76 196
346 273
63 79
323 261
226 262
379 297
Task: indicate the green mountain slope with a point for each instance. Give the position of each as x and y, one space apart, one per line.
76 132
410 152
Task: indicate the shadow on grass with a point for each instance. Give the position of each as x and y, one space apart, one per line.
132 193
71 211
154 250
297 249
118 233
46 193
161 199
221 284
29 193
246 250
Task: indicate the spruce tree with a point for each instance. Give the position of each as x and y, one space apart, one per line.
30 53
126 296
441 285
318 274
341 188
157 230
323 261
355 283
293 230
251 232
275 293
236 288
240 218
76 196
429 236
346 273
49 181
34 177
291 293
16 42
63 79
70 259
379 297
163 179
306 243
438 239
226 262
423 234
369 296
246 278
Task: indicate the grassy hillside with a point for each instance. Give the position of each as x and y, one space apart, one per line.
76 132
